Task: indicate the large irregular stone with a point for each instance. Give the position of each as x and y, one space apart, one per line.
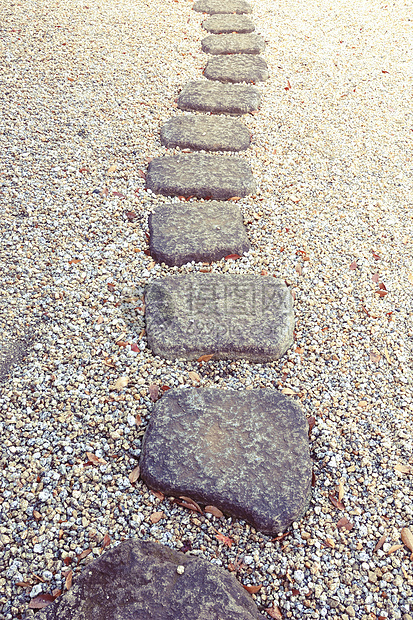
208 133
199 175
218 7
147 581
221 24
246 453
218 98
200 232
233 44
229 316
237 68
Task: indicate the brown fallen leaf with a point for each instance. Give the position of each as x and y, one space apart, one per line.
194 376
338 504
153 390
288 392
311 424
214 511
96 460
84 554
106 541
112 168
37 515
329 542
226 540
68 580
56 592
24 584
100 320
120 383
353 266
340 491
41 601
380 543
344 522
141 174
407 538
134 475
190 503
158 494
156 516
252 589
274 612
232 257
375 358
205 358
394 548
404 469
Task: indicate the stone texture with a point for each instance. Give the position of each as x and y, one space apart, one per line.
237 68
139 580
233 44
231 316
203 176
219 98
246 453
12 353
218 7
208 133
200 232
223 24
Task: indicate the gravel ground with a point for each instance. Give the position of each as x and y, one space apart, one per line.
85 89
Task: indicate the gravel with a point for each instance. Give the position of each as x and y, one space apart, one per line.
85 89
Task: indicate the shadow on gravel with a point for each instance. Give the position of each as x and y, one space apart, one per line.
12 352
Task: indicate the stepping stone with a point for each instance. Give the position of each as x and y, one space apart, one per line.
219 99
201 176
218 7
244 452
237 68
198 232
208 133
229 316
233 44
221 24
148 581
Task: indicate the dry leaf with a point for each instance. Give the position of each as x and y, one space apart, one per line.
141 174
134 475
156 516
194 376
407 538
224 539
106 541
37 515
205 358
252 589
138 420
100 320
394 548
69 579
404 469
380 543
353 266
154 392
340 491
375 357
214 511
274 612
311 424
344 522
330 543
339 505
158 494
120 383
187 502
232 257
387 355
84 554
96 460
112 168
41 601
288 391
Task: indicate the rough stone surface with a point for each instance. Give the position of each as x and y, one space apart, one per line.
231 316
11 353
233 43
218 7
203 176
221 24
246 453
237 68
208 133
147 581
200 232
218 98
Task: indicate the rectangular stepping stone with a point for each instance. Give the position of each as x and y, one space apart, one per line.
237 68
246 453
219 98
218 7
199 232
202 176
222 24
233 43
229 316
207 133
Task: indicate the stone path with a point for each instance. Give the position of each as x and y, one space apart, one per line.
221 24
237 68
216 7
206 133
233 44
218 98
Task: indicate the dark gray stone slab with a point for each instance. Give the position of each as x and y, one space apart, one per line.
221 24
208 133
237 68
200 232
203 176
231 316
139 580
246 453
233 43
218 7
219 98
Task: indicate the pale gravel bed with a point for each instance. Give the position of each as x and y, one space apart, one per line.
86 86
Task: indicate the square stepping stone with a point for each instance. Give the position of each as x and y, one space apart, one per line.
237 68
229 316
206 96
244 452
233 44
199 175
221 24
207 133
199 232
216 7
